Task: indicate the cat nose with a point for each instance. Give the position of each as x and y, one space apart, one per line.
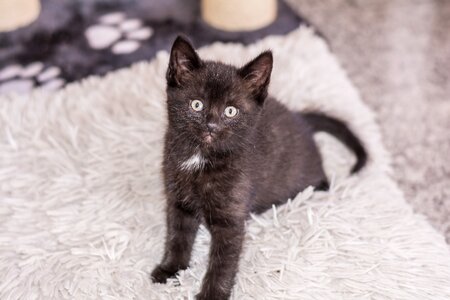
212 127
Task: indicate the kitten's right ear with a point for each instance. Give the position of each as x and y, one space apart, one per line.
183 61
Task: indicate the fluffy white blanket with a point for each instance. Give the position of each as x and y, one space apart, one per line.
82 208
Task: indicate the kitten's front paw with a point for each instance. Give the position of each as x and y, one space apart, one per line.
159 275
211 296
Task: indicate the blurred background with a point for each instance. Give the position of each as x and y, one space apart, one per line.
397 52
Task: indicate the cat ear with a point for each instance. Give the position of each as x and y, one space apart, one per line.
183 61
256 74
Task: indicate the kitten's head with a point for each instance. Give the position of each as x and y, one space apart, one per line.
214 105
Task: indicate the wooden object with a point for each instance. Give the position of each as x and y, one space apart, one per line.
18 13
239 15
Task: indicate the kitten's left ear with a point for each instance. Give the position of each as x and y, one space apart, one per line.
183 61
256 74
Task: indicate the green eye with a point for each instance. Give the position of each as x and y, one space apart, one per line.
197 105
231 111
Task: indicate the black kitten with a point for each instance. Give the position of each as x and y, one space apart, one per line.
230 150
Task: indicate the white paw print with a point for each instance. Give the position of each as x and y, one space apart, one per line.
116 31
21 79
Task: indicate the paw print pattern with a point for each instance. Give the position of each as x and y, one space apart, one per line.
115 31
21 79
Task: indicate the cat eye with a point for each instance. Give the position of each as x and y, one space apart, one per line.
197 105
231 111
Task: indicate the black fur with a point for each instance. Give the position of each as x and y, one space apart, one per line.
321 122
260 157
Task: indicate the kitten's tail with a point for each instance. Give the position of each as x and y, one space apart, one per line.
337 128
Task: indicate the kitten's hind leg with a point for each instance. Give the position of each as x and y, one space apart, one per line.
322 186
182 227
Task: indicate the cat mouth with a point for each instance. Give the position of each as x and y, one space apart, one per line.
209 137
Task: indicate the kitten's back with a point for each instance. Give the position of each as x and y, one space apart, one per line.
285 159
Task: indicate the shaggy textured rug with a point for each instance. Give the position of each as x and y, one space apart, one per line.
82 208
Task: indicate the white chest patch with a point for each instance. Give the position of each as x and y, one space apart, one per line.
195 162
